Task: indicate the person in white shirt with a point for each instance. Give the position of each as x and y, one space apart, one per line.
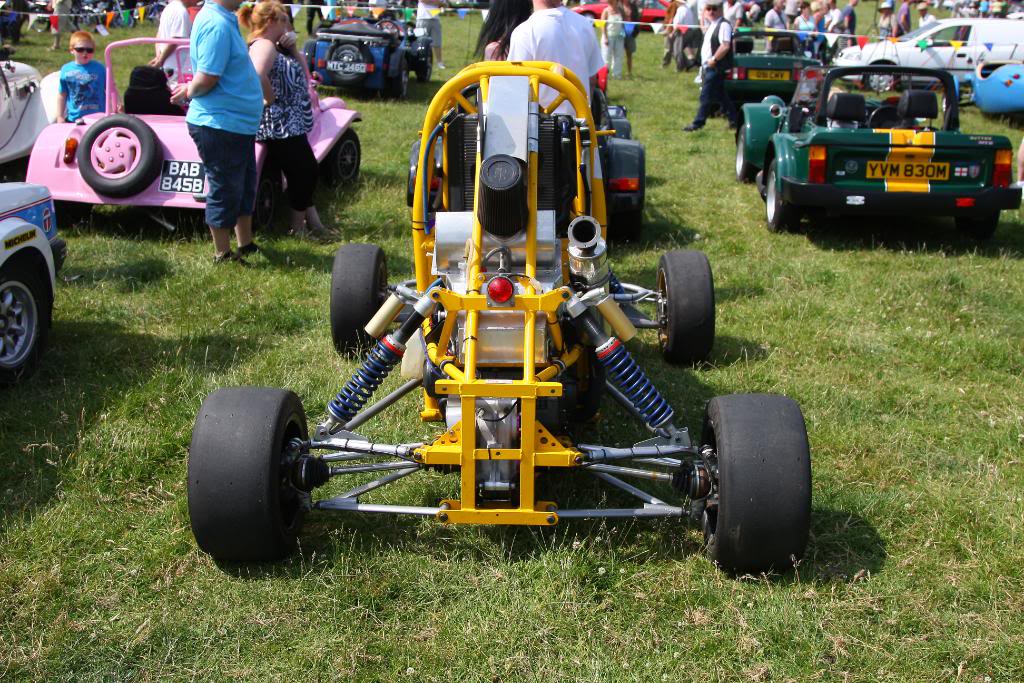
427 18
732 10
174 23
687 22
926 18
716 57
776 16
554 33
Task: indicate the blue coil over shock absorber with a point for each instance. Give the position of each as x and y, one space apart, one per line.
357 391
634 384
384 356
622 370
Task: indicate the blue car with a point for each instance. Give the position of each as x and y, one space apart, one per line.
371 55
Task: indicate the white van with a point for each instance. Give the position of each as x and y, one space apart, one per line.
955 45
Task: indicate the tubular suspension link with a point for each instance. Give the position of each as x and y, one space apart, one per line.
634 384
614 285
354 395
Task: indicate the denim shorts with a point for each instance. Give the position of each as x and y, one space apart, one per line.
230 160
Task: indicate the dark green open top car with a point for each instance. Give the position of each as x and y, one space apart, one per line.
766 63
881 140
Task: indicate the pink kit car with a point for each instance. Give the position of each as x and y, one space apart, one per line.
143 159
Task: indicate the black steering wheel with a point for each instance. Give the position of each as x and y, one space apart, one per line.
885 116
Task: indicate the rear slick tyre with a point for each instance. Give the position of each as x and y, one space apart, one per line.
687 309
763 515
241 505
359 282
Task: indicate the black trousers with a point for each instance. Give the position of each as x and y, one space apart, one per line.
294 158
712 90
313 15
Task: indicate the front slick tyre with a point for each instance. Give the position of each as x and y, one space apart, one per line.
240 502
764 483
687 309
359 285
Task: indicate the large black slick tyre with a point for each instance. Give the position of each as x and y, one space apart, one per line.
781 216
359 281
980 229
25 310
125 135
240 503
745 171
764 483
687 312
341 165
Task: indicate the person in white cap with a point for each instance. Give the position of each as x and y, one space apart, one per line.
716 58
886 20
924 14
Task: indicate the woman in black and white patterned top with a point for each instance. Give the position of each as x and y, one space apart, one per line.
287 114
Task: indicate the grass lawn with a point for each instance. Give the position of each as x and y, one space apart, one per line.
901 339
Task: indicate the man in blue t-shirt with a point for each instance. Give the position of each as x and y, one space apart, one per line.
223 117
848 18
83 82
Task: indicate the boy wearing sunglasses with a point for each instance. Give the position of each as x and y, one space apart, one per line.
83 82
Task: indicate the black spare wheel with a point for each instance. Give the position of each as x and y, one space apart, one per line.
241 502
119 156
359 285
344 54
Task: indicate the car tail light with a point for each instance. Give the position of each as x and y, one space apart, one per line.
371 67
1001 172
796 74
738 73
964 202
70 147
816 167
321 63
500 289
624 184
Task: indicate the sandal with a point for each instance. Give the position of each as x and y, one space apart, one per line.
248 249
229 257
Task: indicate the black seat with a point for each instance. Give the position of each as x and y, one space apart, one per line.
148 93
917 104
743 46
846 107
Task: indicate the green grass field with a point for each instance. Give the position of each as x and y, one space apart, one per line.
901 339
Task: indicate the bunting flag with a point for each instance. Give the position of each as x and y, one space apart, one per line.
377 12
102 30
957 44
599 23
801 36
126 17
110 18
2 3
350 10
326 11
922 44
142 13
683 29
862 41
893 39
831 38
295 10
484 13
658 28
410 14
435 12
462 12
988 46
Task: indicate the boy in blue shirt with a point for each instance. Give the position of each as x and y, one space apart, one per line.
83 82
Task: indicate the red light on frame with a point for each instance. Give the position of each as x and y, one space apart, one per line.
500 289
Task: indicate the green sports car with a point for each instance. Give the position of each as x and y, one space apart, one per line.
875 140
766 64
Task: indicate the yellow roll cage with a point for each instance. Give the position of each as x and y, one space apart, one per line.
538 447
